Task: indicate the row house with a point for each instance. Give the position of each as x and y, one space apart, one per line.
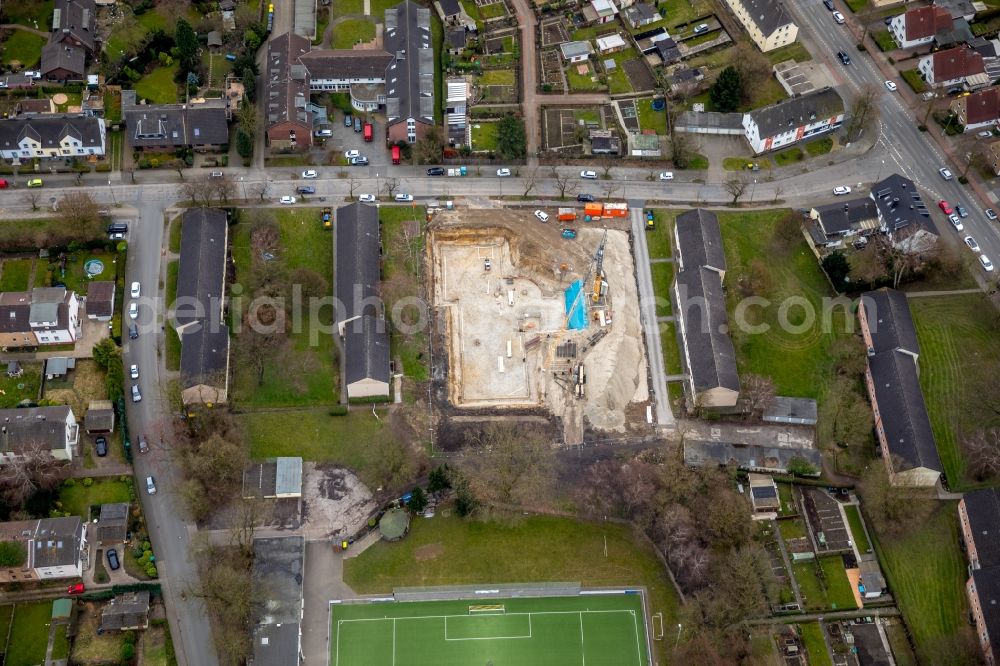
54 548
43 316
978 110
979 522
51 137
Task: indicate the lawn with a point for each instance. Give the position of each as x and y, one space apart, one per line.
72 99
348 7
77 499
582 82
791 528
671 351
856 5
681 12
173 360
448 550
915 81
795 51
218 68
60 645
23 47
36 14
402 275
316 436
857 529
618 81
788 156
787 499
957 336
89 647
15 389
838 587
926 572
812 637
175 234
484 136
795 355
30 634
350 32
6 615
819 146
740 163
663 277
697 162
824 584
883 39
85 383
158 86
306 373
494 10
157 649
658 240
650 119
15 274
497 77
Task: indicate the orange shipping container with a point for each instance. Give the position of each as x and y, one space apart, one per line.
616 209
567 214
593 209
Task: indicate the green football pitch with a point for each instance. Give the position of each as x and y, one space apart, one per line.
587 630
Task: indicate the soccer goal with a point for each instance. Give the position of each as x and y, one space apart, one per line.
488 609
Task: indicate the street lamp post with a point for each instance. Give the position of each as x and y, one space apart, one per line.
752 190
110 189
678 639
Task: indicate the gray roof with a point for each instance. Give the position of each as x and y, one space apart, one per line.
791 410
276 644
899 204
49 131
100 416
346 63
797 111
205 357
574 49
287 85
273 478
456 38
640 12
769 15
357 258
277 572
983 510
407 37
57 542
201 276
902 411
710 352
74 19
59 365
126 611
987 584
450 7
871 575
114 514
288 478
101 298
44 426
747 456
699 239
711 120
669 52
846 216
959 33
56 55
889 321
366 348
177 125
957 8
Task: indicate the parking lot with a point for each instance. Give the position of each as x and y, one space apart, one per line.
345 139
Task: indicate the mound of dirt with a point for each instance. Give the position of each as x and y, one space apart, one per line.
335 502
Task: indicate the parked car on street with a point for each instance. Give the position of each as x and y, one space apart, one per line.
287 200
503 173
590 175
841 189
990 214
945 173
352 153
76 588
143 445
133 371
435 171
366 198
150 486
666 175
136 396
945 207
404 197
961 211
971 242
986 263
133 310
136 289
360 160
585 198
956 222
305 189
310 173
890 86
839 18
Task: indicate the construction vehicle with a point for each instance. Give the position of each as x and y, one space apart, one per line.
650 222
569 233
599 268
327 218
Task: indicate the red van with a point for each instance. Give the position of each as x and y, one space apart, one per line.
395 155
369 132
4 184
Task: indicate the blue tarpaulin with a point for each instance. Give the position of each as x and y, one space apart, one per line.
576 308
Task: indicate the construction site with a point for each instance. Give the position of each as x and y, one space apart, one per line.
540 317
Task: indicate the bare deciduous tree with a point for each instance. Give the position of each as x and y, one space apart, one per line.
529 181
225 189
758 394
753 66
610 189
352 185
389 186
607 163
736 185
510 465
680 148
260 189
31 197
248 514
30 469
982 449
199 192
566 184
81 212
864 112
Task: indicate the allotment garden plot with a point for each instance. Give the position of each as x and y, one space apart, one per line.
596 630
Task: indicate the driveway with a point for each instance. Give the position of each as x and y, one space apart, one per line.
324 577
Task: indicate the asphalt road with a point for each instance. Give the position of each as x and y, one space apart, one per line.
165 514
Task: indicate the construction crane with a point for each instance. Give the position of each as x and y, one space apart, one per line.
598 266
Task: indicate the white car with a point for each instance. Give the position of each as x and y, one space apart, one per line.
136 289
309 173
288 201
133 371
367 198
843 189
666 175
133 310
404 197
987 264
543 216
150 486
838 17
971 242
985 134
352 153
503 173
590 175
956 222
891 86
945 173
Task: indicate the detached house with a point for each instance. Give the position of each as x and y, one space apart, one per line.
978 110
63 62
599 11
51 137
979 520
576 51
960 65
43 316
794 119
74 23
901 422
834 222
919 26
641 14
768 23
708 355
38 430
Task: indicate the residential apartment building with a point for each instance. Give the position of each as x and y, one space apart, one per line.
978 110
958 66
286 93
768 23
700 303
202 125
793 120
409 95
919 26
54 548
33 431
903 214
891 376
51 137
43 316
979 521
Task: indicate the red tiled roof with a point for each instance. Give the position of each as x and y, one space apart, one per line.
982 106
926 22
956 63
